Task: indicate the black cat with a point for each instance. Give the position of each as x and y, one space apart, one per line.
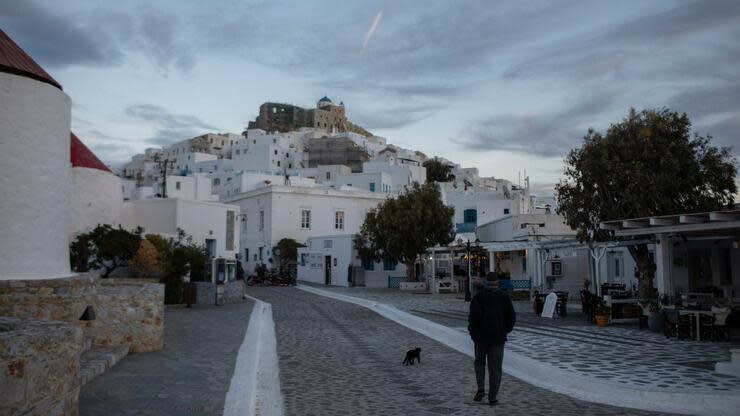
412 355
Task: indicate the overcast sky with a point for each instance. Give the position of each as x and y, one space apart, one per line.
503 86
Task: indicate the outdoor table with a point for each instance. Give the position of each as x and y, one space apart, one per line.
697 314
612 304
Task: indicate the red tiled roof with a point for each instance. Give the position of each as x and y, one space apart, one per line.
15 60
83 157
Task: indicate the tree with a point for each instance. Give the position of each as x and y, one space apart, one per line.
438 171
648 164
401 229
288 249
105 248
145 262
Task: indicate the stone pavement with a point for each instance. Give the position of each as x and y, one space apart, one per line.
190 376
336 358
620 353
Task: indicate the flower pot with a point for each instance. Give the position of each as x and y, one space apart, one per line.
601 320
655 322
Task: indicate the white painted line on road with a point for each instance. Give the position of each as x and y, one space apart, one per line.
255 385
555 379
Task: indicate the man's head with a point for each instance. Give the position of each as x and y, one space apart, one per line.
491 280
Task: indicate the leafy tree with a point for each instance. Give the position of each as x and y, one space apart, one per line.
105 248
288 253
648 164
400 229
438 171
145 262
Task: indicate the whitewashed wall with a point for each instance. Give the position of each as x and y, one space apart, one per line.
36 181
97 198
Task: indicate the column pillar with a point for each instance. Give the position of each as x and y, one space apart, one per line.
663 259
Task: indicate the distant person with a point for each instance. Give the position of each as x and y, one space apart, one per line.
491 318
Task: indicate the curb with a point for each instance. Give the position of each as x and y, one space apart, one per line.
255 386
555 379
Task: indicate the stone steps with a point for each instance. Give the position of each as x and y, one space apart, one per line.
97 361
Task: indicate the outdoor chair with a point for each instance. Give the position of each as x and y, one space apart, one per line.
676 325
715 326
587 304
561 307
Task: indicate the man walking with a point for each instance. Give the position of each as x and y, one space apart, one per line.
491 318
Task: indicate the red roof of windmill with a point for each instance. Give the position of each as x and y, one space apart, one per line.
82 157
15 60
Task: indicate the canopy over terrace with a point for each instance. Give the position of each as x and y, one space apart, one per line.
694 251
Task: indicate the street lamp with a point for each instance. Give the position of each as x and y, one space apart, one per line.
467 286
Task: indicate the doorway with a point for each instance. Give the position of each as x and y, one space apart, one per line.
327 270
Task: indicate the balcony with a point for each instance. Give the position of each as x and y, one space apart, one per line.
465 227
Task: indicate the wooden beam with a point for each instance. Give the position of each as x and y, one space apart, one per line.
635 223
723 216
692 219
610 226
662 221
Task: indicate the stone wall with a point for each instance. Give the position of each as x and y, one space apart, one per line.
39 362
128 313
206 292
54 299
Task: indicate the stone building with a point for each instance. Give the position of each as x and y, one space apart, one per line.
287 117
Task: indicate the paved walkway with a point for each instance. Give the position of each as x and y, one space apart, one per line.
621 353
190 376
336 358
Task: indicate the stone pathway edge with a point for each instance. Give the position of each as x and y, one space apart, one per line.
555 379
255 386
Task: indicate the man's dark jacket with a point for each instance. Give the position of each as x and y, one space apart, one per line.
491 317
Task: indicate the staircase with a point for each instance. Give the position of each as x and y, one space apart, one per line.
96 361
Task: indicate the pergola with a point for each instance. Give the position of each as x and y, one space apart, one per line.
715 225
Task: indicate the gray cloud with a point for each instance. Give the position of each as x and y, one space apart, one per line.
95 37
170 127
53 39
544 134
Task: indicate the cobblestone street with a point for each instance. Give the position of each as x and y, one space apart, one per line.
336 358
621 354
190 376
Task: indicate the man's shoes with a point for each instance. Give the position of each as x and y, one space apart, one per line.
479 396
493 402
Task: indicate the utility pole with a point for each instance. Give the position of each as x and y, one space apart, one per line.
164 165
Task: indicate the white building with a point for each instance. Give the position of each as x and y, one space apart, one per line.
333 260
97 194
142 169
274 212
211 224
36 180
196 187
268 152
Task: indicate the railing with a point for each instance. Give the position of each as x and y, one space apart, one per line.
394 282
506 284
465 227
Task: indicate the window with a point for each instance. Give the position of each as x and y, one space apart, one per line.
261 250
177 185
244 222
230 216
368 264
278 163
262 221
389 265
290 166
246 254
506 211
339 220
328 175
372 186
328 244
275 151
303 258
216 182
306 219
470 216
287 155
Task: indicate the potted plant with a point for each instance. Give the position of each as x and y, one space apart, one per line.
602 314
655 319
